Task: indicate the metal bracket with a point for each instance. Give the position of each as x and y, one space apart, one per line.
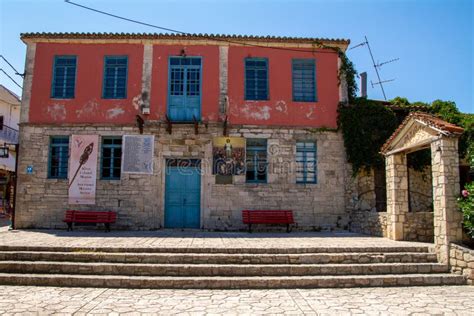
196 125
226 123
140 123
169 125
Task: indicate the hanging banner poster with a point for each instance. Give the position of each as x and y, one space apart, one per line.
137 154
228 155
83 169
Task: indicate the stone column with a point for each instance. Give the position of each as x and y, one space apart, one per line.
447 218
27 83
223 78
146 75
397 194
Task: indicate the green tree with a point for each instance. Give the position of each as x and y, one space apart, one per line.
367 124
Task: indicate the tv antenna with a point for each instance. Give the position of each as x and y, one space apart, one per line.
376 66
380 82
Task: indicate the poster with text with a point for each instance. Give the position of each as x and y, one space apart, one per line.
228 155
83 169
137 154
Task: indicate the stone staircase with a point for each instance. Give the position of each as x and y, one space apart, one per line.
223 268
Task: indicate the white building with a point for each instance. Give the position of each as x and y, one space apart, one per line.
10 111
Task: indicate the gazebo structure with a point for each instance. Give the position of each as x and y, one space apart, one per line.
419 131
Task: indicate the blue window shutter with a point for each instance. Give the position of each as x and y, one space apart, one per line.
306 162
111 158
256 79
115 77
64 77
184 88
304 80
58 157
256 160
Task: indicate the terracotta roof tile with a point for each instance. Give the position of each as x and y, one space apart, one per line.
428 119
237 38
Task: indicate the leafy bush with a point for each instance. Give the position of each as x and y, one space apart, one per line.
466 204
365 125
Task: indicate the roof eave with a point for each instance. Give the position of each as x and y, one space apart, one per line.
49 37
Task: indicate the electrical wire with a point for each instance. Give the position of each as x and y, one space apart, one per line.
1 69
16 71
190 34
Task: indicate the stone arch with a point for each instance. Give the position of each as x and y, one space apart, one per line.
420 131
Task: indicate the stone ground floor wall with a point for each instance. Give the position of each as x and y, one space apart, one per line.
417 227
421 190
461 260
139 199
368 222
361 191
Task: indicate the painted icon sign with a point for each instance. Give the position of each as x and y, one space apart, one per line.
137 154
228 155
83 169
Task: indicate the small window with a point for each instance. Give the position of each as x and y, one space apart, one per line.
256 79
306 162
115 77
64 77
304 80
256 160
58 157
111 158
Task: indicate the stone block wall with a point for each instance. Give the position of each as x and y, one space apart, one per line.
420 190
369 223
360 190
418 226
461 260
139 199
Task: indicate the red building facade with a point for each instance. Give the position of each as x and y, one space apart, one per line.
185 91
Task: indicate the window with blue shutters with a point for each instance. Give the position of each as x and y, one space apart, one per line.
306 162
58 157
304 80
64 77
115 77
256 79
111 158
185 84
256 160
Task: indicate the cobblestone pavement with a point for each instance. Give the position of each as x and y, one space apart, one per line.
449 300
192 239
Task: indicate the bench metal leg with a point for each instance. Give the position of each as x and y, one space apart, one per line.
107 227
288 228
69 226
250 228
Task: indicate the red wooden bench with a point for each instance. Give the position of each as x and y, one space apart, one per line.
101 217
268 217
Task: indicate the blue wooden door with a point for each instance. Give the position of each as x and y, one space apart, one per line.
184 97
182 197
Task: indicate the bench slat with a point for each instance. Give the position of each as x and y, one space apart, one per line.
267 217
102 217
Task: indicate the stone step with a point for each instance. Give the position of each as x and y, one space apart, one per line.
220 258
45 267
208 250
266 282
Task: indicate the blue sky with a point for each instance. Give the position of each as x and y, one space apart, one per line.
432 38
